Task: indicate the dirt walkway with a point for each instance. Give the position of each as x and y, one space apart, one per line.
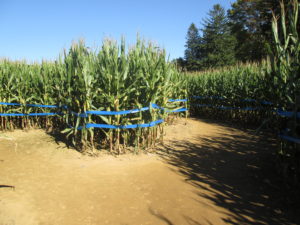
205 174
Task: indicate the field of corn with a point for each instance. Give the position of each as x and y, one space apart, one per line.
244 95
83 80
75 93
265 94
240 93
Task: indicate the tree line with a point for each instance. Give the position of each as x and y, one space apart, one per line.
241 34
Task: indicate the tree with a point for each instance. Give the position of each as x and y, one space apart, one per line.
216 44
250 22
192 48
180 63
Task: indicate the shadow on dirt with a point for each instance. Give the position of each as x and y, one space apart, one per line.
234 172
160 216
58 137
7 186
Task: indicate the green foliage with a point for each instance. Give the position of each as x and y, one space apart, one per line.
215 47
192 48
276 80
251 24
285 58
285 80
244 34
113 78
249 28
216 44
234 84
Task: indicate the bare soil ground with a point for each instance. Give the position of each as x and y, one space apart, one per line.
205 173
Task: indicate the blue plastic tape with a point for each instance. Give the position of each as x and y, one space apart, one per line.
177 100
243 100
199 97
262 102
6 103
203 105
177 110
289 138
284 113
212 106
250 109
266 103
130 126
169 111
30 105
279 112
154 106
44 114
207 97
287 113
85 114
29 114
12 114
110 113
227 107
248 100
42 106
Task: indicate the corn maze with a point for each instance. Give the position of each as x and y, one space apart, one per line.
117 98
265 94
86 95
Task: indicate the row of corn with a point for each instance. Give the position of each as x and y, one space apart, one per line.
241 93
261 93
82 80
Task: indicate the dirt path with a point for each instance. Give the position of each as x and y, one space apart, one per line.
204 174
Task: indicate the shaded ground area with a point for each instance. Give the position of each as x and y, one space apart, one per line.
205 173
234 169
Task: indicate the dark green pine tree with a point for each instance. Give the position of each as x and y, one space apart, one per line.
217 44
250 23
248 26
192 48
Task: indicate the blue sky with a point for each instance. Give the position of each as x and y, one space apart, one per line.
36 30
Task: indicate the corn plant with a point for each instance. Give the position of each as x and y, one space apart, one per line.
227 91
285 74
82 80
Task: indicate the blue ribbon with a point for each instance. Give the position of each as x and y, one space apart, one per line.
289 138
110 113
177 100
287 113
85 114
29 105
243 100
228 107
248 100
279 112
29 114
42 106
130 126
167 110
203 105
266 103
6 103
177 110
154 106
207 97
